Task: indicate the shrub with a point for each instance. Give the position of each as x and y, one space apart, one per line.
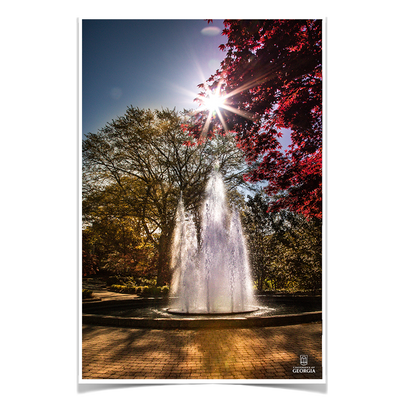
146 291
120 280
116 288
87 294
165 290
157 291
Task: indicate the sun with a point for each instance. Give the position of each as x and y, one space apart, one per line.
213 102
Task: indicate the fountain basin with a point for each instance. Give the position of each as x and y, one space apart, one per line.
195 313
153 314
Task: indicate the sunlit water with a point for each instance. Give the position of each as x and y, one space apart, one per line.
266 307
215 276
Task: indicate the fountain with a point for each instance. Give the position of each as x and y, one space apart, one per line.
213 278
211 284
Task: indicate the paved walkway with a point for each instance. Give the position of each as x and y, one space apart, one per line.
256 353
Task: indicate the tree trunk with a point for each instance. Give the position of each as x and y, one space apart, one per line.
163 260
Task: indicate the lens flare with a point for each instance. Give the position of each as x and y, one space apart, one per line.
213 101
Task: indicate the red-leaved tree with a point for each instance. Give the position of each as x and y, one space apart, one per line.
271 79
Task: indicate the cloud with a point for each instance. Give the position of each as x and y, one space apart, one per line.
210 31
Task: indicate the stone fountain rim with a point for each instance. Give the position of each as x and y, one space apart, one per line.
215 314
243 321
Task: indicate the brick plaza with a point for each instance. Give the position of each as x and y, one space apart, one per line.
254 353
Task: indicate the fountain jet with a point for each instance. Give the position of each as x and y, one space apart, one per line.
213 278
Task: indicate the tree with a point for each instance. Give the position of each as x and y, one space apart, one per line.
285 248
271 79
146 160
113 236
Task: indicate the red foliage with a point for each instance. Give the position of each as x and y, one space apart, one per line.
89 263
273 71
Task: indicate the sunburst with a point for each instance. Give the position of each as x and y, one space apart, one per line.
212 102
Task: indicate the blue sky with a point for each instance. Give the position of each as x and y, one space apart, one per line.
144 63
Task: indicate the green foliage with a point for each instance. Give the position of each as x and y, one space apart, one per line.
87 294
285 248
164 290
144 291
138 290
130 280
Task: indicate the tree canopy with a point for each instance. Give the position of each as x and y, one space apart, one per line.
270 80
134 171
